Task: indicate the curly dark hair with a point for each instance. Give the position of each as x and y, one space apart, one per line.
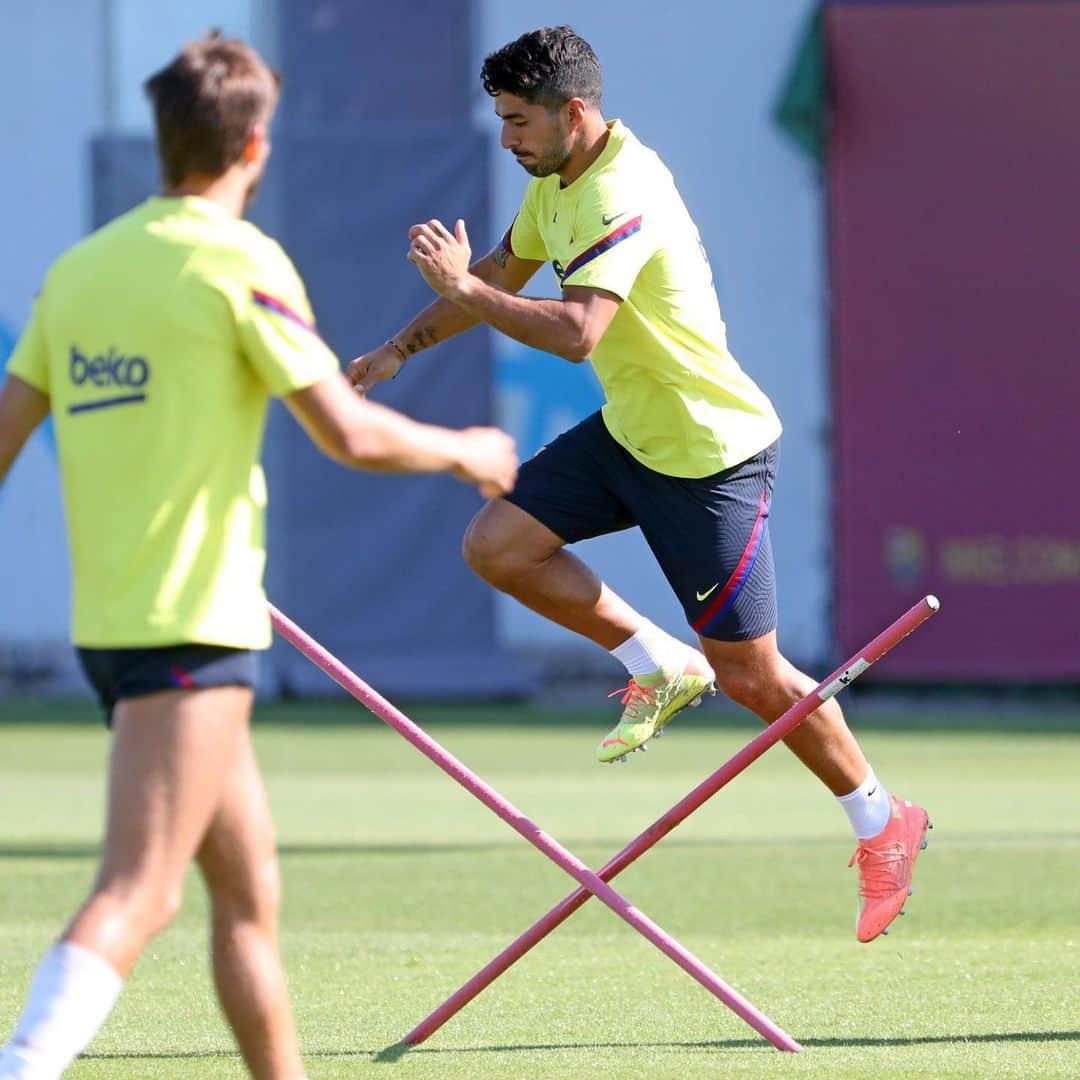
546 67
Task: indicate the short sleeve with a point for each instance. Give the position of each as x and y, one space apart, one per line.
277 328
30 360
614 241
523 238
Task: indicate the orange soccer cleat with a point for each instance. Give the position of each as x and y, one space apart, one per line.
885 864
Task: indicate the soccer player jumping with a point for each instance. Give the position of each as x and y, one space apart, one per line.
156 344
685 446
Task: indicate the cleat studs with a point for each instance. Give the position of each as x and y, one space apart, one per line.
695 703
884 933
923 846
902 912
660 733
929 823
911 890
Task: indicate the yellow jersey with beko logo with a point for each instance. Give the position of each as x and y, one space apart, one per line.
159 340
676 399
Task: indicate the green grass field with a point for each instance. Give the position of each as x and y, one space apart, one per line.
399 886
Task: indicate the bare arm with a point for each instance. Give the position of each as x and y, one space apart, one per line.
443 318
440 320
22 409
569 327
365 435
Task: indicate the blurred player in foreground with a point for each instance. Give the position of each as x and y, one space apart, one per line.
156 344
685 447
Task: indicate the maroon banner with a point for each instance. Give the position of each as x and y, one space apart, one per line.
954 198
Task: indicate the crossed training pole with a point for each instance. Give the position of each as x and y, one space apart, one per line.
595 884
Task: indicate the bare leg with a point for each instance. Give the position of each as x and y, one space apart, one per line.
239 863
517 555
171 753
170 756
755 675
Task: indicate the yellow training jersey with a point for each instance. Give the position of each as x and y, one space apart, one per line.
676 398
159 340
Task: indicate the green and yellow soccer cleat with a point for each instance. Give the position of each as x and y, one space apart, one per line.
650 702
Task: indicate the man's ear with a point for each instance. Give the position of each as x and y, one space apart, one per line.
256 144
575 113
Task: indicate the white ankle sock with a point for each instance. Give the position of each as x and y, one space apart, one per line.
72 994
867 807
647 651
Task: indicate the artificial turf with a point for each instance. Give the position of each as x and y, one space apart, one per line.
399 885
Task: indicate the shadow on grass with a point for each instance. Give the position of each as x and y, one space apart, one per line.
391 1054
92 851
398 1050
513 844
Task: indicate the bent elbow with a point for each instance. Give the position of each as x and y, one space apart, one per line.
586 339
363 449
580 349
349 446
339 451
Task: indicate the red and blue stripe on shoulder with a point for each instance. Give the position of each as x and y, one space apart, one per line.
623 232
272 303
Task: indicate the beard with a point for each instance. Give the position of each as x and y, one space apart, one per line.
551 161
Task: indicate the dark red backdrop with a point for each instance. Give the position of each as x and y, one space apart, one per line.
954 187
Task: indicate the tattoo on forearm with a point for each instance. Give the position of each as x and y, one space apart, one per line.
500 256
425 337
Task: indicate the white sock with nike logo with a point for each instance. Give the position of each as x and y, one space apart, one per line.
867 807
648 650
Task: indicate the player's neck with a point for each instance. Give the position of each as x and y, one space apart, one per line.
594 137
228 191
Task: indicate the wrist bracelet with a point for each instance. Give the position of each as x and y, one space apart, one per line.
398 349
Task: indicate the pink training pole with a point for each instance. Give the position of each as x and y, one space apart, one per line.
591 882
777 730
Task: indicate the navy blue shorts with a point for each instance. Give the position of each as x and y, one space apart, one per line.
116 674
710 536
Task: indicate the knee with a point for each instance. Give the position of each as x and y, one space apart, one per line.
767 686
166 907
746 685
145 905
485 554
253 897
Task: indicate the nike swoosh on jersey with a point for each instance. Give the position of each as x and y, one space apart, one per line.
708 592
614 217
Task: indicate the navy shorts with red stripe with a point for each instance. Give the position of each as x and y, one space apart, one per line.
709 535
117 674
